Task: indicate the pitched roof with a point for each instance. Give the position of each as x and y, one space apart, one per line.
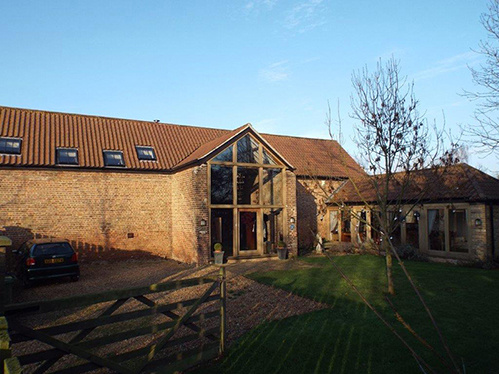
175 145
460 182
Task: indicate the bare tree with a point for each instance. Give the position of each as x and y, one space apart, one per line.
393 140
486 129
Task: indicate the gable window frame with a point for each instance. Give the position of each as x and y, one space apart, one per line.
58 158
5 150
106 152
258 205
139 148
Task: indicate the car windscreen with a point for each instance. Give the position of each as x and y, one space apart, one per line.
50 249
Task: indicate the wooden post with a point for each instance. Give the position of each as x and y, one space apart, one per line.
4 243
223 320
4 343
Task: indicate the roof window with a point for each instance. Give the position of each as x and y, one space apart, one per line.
114 158
67 156
145 153
10 146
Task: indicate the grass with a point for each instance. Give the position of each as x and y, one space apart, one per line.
348 338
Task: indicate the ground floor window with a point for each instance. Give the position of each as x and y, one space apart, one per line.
412 229
362 226
436 229
458 230
334 225
346 219
273 229
222 222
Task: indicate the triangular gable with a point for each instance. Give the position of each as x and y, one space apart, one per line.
210 149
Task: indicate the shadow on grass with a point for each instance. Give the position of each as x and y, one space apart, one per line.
348 338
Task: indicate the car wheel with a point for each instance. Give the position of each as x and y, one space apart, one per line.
75 278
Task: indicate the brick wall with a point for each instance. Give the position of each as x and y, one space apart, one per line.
96 210
495 211
190 240
311 195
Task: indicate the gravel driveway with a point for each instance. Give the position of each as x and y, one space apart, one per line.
249 303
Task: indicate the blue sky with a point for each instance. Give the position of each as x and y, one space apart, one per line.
225 63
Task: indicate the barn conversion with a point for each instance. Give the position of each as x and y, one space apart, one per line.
110 184
113 185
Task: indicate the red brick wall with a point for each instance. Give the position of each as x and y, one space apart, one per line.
190 240
94 209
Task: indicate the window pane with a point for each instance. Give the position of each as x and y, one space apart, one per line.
221 229
345 226
376 226
362 226
436 229
10 146
333 225
247 150
225 155
458 230
272 186
146 153
396 232
273 229
247 185
268 159
67 156
113 158
412 229
221 184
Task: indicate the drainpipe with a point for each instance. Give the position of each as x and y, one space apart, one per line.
492 230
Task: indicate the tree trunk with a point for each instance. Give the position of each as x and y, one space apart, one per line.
389 273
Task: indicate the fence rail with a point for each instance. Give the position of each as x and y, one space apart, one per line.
143 359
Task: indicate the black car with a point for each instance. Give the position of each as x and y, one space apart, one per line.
46 258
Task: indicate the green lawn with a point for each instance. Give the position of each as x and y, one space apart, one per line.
347 338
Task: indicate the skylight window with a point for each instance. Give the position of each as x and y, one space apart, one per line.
114 158
67 156
145 153
10 146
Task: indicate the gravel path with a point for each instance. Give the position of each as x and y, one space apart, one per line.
249 303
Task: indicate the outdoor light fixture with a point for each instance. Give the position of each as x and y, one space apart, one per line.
203 222
292 220
417 214
478 222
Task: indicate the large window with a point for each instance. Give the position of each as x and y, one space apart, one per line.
334 225
345 225
458 230
273 229
248 150
221 184
272 186
247 186
412 229
436 229
247 189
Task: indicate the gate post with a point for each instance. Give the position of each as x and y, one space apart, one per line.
223 297
4 293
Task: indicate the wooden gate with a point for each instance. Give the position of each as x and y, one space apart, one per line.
166 352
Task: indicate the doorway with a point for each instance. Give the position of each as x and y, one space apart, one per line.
249 232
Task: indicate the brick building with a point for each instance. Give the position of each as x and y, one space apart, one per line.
114 186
